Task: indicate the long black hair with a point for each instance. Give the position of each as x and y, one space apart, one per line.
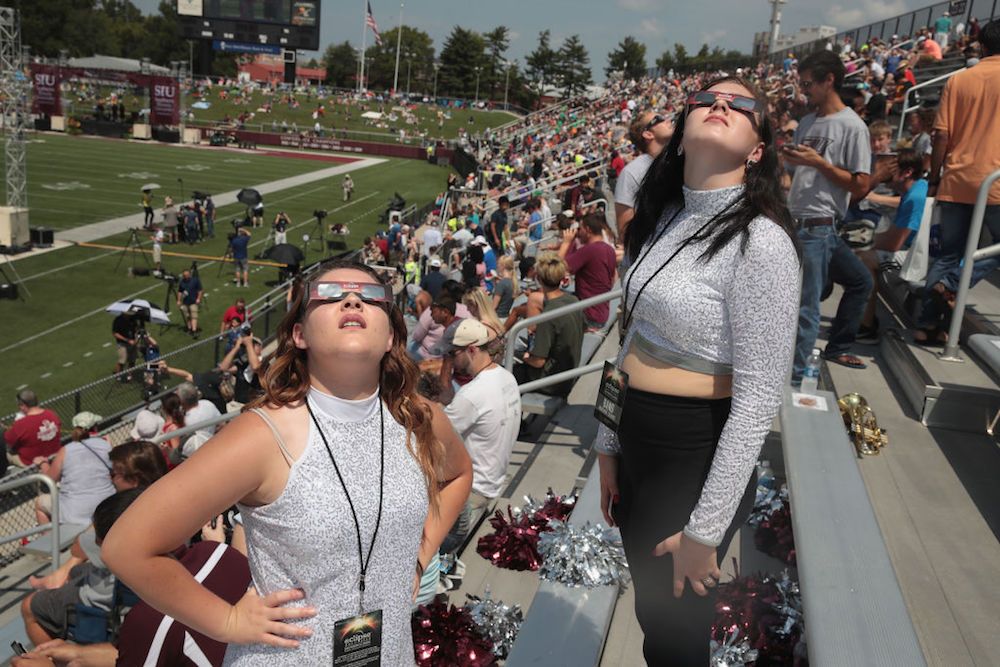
662 188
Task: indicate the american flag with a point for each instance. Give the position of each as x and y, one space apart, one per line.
370 20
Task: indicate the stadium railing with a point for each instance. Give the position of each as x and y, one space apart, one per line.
903 24
17 495
972 253
920 86
335 133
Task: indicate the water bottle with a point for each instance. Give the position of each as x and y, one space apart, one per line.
810 376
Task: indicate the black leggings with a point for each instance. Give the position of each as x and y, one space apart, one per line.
667 446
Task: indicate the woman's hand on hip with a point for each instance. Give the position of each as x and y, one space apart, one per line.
260 620
692 560
609 485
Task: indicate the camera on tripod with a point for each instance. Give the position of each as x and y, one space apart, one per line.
319 214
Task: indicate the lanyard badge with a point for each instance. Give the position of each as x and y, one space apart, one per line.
611 396
357 641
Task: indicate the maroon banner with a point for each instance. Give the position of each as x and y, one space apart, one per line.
45 80
164 102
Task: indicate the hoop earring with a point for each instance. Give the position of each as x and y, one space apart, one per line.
680 150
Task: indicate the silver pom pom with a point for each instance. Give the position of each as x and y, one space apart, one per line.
589 556
733 652
495 621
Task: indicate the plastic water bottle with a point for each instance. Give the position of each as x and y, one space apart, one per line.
810 376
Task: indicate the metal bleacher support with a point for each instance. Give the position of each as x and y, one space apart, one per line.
851 598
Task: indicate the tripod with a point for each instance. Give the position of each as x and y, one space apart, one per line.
6 278
227 256
318 233
134 248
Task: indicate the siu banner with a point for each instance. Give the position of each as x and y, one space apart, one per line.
164 102
45 81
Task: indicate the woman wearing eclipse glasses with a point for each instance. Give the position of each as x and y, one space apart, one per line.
708 324
347 483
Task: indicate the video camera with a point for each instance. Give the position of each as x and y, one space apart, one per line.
319 214
246 329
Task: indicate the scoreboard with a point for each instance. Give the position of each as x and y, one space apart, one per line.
284 24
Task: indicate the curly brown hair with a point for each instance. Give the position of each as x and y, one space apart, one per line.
286 380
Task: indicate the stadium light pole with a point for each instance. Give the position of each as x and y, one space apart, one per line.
478 71
399 37
506 85
409 64
437 66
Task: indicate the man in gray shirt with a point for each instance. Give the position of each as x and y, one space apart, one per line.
830 161
649 132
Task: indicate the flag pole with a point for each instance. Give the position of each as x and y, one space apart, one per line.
364 36
399 36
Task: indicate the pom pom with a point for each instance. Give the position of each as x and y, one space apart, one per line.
513 544
445 636
774 536
495 621
588 556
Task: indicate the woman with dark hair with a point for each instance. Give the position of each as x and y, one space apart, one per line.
135 464
708 324
347 482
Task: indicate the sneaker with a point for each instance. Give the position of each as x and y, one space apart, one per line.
867 335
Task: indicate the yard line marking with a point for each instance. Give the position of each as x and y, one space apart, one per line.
45 375
23 386
67 364
87 354
106 345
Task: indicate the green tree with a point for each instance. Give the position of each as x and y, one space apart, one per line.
81 27
680 55
628 57
665 62
341 62
497 43
574 67
380 65
541 64
463 57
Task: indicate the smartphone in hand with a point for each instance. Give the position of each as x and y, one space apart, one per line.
17 648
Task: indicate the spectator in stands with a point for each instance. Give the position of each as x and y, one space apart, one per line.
91 583
433 279
649 133
890 246
35 435
711 301
593 263
339 384
498 225
147 424
966 136
942 30
239 247
486 413
196 411
830 161
243 364
238 311
83 471
921 124
505 288
556 346
427 334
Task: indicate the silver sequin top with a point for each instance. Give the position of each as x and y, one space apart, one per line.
737 308
306 538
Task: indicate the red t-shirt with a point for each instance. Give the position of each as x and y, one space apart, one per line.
150 638
233 311
34 435
618 164
594 266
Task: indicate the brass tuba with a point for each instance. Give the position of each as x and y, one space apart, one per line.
861 424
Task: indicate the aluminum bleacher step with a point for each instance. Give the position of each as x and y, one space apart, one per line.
534 403
42 546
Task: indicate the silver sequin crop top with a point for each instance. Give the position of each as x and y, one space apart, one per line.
739 310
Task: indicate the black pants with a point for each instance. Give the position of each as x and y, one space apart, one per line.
667 446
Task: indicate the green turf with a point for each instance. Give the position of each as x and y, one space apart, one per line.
74 181
336 113
75 284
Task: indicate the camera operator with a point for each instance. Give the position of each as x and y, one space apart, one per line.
243 362
281 224
123 329
189 293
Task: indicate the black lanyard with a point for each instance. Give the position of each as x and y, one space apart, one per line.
381 481
627 320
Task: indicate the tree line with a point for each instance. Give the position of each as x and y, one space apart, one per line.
470 64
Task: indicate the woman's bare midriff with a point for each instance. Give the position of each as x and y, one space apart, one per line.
648 374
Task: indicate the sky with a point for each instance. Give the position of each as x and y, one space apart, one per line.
601 24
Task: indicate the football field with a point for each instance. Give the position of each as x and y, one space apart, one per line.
59 337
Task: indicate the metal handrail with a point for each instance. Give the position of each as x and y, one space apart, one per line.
508 355
191 428
37 478
571 374
860 60
906 97
950 352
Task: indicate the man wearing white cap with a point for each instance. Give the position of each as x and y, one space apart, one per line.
486 412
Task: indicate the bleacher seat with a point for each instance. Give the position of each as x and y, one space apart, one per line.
534 403
42 546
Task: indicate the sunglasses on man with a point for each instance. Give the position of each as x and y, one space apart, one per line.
748 106
653 122
333 291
